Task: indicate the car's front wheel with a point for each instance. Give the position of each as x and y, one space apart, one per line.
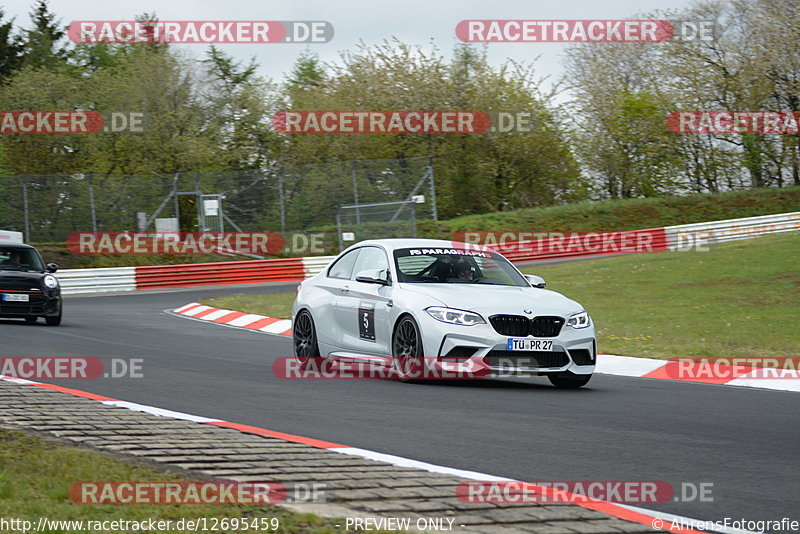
304 336
55 320
407 349
569 380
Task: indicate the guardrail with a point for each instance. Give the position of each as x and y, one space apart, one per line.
97 280
297 269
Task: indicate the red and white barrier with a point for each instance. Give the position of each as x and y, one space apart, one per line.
687 236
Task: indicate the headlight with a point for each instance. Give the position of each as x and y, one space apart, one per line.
50 281
579 320
449 315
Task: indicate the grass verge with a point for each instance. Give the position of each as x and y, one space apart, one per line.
35 477
737 299
272 305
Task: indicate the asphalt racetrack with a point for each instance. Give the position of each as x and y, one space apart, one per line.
743 441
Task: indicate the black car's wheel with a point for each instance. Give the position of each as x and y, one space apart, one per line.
54 320
31 320
569 380
407 349
304 336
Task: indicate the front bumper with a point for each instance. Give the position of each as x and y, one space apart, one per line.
481 350
40 304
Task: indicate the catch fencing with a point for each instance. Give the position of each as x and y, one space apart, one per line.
48 208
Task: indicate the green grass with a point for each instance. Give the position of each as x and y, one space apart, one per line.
35 477
738 299
272 305
627 214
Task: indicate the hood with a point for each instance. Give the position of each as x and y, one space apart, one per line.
20 280
491 299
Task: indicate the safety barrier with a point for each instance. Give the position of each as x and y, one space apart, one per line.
220 273
97 280
297 269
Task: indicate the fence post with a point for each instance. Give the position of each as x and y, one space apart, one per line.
280 197
355 191
25 215
91 203
434 211
339 231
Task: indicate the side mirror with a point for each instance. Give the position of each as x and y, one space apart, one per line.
51 267
374 276
535 281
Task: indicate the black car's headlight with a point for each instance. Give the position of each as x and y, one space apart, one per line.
50 281
579 320
453 316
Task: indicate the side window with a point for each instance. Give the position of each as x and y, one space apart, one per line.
370 258
344 265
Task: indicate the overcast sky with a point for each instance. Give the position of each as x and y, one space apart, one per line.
412 21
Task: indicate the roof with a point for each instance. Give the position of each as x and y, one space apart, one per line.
396 243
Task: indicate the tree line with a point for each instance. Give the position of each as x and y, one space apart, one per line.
598 133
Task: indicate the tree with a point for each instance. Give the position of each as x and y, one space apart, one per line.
42 43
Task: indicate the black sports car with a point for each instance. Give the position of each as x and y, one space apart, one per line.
28 289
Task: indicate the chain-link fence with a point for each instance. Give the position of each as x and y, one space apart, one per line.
376 220
47 208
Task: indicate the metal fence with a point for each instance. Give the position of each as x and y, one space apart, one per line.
47 208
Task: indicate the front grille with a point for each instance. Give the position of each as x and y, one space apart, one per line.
527 359
582 356
35 305
511 325
24 309
546 326
521 326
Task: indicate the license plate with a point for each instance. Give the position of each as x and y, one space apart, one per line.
12 297
529 344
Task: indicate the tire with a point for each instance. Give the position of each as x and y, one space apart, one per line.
31 320
407 348
304 338
569 380
53 321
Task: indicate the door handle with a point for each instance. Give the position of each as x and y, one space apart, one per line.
345 289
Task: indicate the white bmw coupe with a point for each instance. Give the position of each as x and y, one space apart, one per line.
450 305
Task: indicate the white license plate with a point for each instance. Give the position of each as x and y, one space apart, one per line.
12 297
529 344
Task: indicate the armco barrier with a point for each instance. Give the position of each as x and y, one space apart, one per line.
97 280
297 269
229 272
731 230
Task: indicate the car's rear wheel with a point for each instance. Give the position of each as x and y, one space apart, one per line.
407 349
569 380
304 336
31 320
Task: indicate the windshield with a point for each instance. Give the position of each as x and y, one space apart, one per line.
20 259
455 266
